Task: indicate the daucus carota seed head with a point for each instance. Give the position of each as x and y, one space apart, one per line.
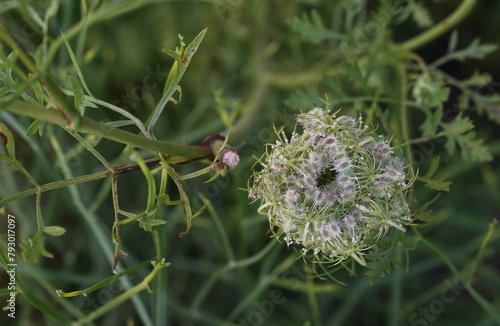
337 188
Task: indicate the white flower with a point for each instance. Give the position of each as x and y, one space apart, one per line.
332 189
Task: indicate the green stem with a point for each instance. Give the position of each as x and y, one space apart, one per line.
130 219
293 80
90 126
123 297
220 228
295 286
424 139
11 43
251 109
116 230
313 302
159 298
404 112
104 282
487 307
207 286
105 12
71 115
404 121
74 181
263 283
481 253
159 310
40 304
437 30
25 290
117 109
184 196
396 297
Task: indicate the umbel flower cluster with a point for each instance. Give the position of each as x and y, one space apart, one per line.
334 189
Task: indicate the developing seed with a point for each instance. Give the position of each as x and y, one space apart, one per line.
310 193
334 229
310 182
319 196
349 221
308 169
324 160
314 167
317 139
343 166
329 141
331 198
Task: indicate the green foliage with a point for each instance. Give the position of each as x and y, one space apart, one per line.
459 132
33 248
475 50
421 15
438 184
303 98
312 28
387 256
382 263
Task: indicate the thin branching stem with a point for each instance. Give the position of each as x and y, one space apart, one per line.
481 301
439 29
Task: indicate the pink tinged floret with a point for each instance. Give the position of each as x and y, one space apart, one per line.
345 181
382 150
314 167
324 161
329 141
349 122
277 166
342 164
319 196
345 195
317 139
291 197
350 188
311 193
309 182
330 197
333 229
392 173
350 221
308 169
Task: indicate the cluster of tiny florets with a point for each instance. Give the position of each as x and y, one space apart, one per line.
334 189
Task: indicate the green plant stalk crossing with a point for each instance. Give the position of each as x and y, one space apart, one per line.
124 296
104 282
481 301
90 126
74 181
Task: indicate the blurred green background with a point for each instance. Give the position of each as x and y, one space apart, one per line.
254 69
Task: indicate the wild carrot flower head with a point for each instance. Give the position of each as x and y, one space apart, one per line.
334 189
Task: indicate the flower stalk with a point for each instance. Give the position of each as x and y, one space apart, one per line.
445 25
90 126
